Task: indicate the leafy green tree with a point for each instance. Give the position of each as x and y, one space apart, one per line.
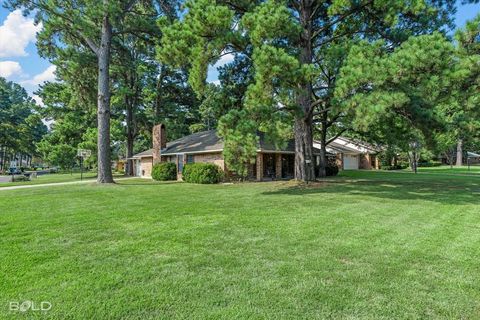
57 154
20 124
290 45
91 25
462 112
395 95
240 148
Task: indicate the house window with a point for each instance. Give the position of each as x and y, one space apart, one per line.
190 158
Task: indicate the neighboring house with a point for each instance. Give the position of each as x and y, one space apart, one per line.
119 165
352 154
271 163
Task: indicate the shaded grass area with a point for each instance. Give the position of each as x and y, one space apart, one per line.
55 178
360 245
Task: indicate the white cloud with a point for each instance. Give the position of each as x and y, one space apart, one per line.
16 33
216 82
9 68
227 58
38 100
47 75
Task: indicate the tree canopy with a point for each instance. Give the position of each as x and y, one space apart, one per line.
21 125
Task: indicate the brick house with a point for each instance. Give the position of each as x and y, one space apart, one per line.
271 163
353 154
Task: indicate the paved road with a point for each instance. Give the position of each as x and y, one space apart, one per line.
55 184
4 178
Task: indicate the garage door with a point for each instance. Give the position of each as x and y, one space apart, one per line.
350 162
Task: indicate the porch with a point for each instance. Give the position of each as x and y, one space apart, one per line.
274 166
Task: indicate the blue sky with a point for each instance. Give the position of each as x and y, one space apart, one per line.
20 62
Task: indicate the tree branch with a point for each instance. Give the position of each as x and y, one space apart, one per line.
335 136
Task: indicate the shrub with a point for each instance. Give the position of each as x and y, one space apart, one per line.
204 173
397 167
20 178
164 171
331 170
429 164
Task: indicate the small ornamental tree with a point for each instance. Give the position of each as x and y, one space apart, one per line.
240 143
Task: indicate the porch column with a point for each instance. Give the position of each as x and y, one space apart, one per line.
278 165
339 160
368 164
259 166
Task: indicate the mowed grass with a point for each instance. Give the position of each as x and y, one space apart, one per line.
474 170
364 245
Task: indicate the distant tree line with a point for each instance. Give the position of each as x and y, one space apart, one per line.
21 126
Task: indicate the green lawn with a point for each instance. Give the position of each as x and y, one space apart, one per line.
364 245
53 178
462 170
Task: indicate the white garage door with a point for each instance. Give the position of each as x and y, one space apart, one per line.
350 162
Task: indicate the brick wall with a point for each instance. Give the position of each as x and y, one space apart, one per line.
159 139
339 160
216 158
259 166
365 162
146 167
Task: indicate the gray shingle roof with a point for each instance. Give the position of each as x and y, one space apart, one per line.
198 142
208 141
147 153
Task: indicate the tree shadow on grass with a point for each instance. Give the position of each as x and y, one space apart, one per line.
445 192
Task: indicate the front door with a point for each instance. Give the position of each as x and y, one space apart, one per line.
288 164
269 165
138 168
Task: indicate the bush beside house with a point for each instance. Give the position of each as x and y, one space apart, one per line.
331 170
204 173
164 171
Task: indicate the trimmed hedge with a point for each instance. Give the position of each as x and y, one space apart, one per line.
205 173
397 167
164 171
331 170
427 164
20 178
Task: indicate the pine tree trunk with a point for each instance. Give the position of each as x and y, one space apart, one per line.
459 152
304 161
322 172
104 157
130 137
158 97
2 158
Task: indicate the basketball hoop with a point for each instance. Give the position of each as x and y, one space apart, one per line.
83 154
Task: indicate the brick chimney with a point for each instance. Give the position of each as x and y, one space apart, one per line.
159 137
